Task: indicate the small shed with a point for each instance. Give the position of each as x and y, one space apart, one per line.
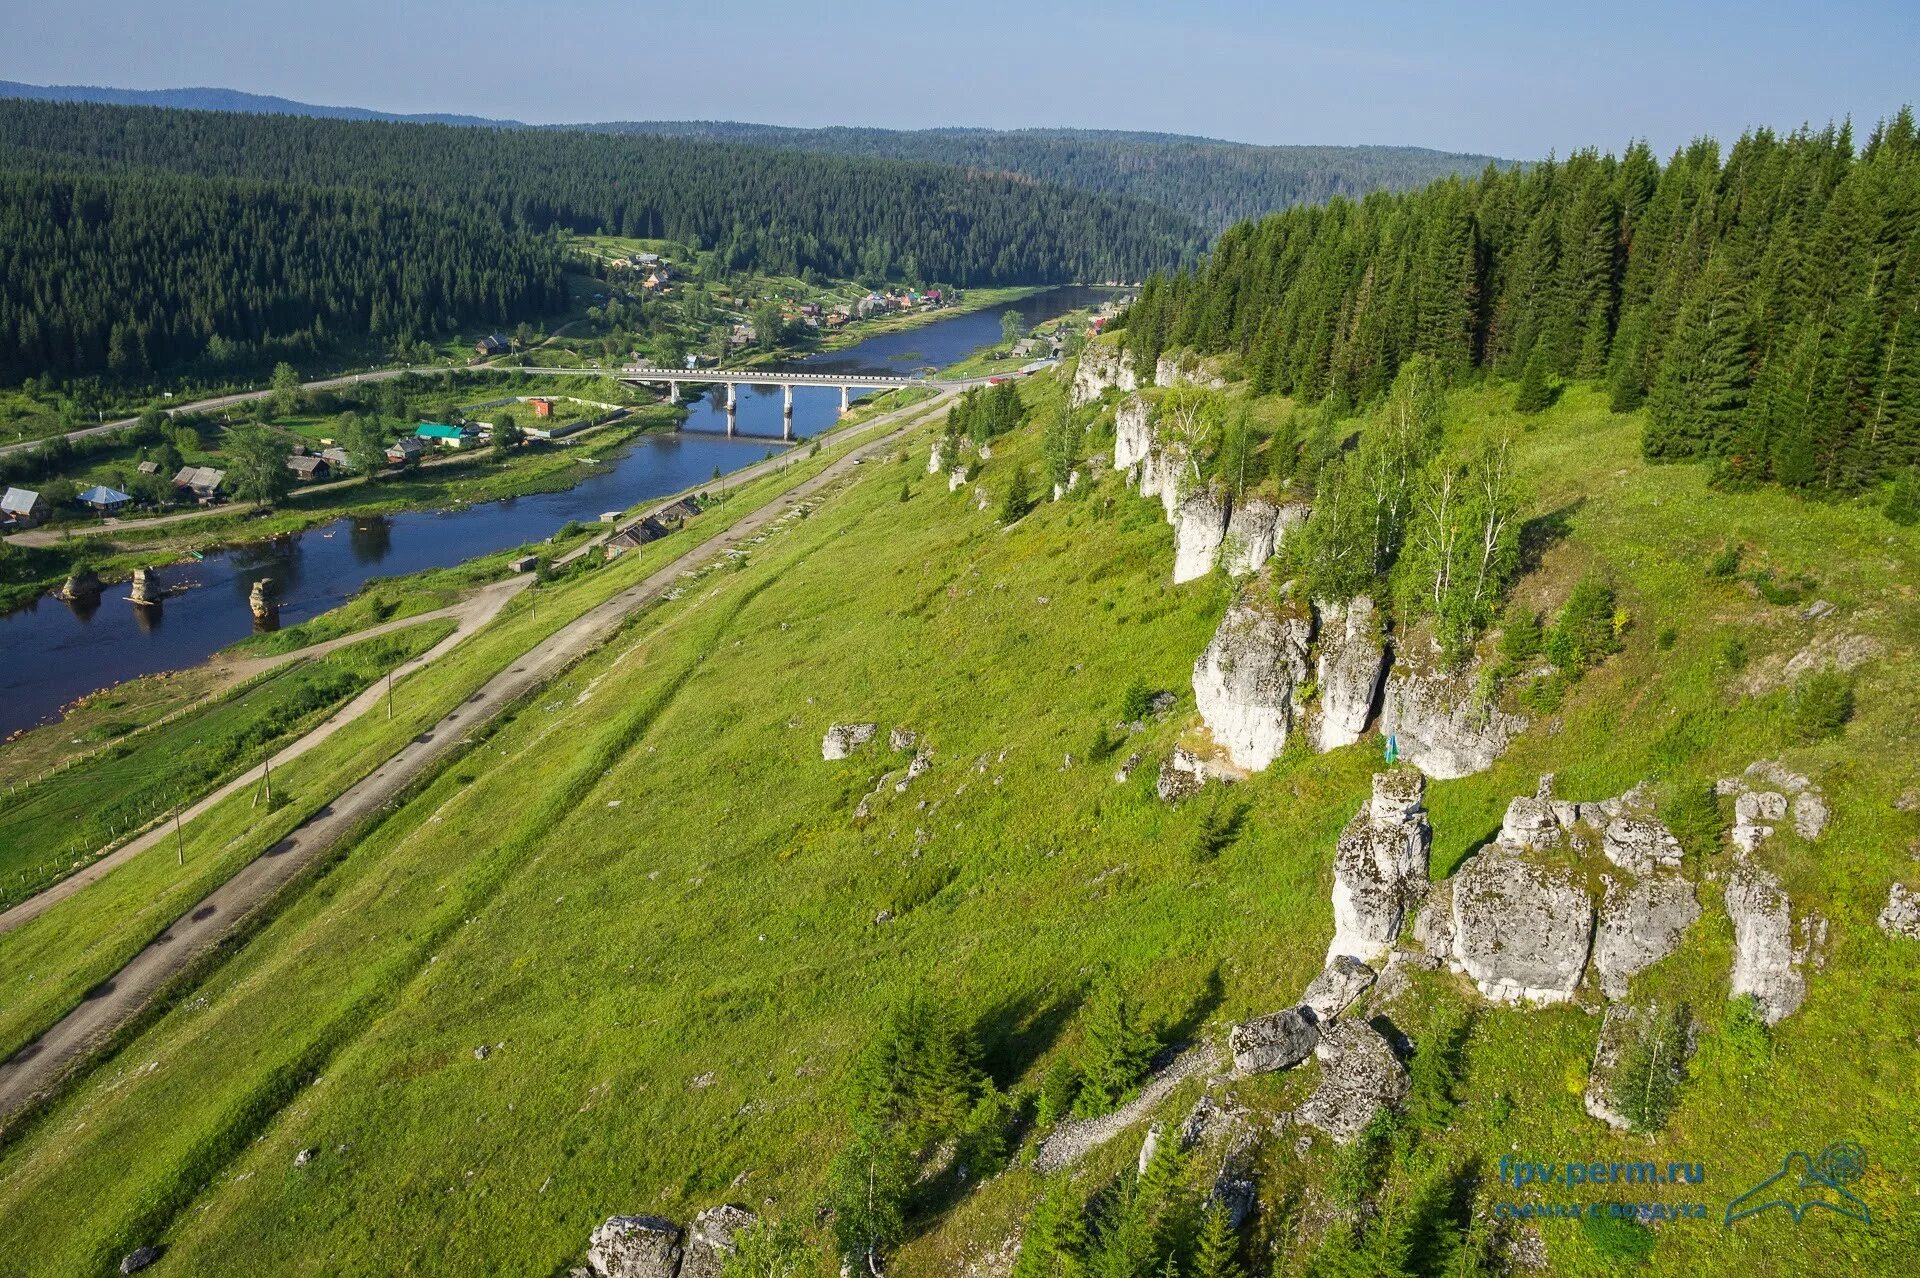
541 407
22 507
632 537
307 469
337 458
148 468
103 500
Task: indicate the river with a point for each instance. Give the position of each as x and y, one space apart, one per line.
55 652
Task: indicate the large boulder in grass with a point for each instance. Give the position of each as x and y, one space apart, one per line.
1351 663
711 1239
843 739
1380 867
1344 979
1278 1040
1522 931
1359 1075
1245 679
1640 923
1199 526
1765 963
635 1247
1440 724
1132 433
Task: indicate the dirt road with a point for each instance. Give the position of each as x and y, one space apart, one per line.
45 1061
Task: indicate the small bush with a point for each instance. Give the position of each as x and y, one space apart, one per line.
1726 563
1058 1091
1219 827
1101 745
1782 593
1584 634
1822 704
1664 641
1730 654
1647 1085
1134 699
1693 815
1019 499
1749 1040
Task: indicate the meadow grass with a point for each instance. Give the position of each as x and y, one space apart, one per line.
651 900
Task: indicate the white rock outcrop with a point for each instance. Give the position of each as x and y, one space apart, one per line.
1901 915
1765 963
1766 795
956 479
1199 526
1640 924
1380 867
1132 433
934 461
635 1247
1522 931
710 1240
1245 679
843 739
1441 726
1171 370
1102 365
1252 531
1359 1074
1349 667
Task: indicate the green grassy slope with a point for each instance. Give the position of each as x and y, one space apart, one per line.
651 900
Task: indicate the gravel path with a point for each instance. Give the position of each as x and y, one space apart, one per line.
1073 1140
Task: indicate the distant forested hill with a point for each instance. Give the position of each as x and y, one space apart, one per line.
1211 182
488 192
1764 305
1215 183
144 273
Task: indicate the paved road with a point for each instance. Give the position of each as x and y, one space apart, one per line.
45 1061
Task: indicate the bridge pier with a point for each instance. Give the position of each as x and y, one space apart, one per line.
733 390
845 399
787 407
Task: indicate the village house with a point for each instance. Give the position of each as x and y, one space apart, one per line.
103 500
443 434
632 537
22 507
309 469
405 449
337 459
678 513
202 483
657 280
493 344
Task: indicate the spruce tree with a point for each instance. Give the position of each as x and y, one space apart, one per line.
1214 1252
1534 394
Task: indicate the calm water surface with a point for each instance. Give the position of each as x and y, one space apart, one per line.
52 652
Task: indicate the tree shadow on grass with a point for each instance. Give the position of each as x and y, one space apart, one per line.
1541 533
1183 1028
1017 1031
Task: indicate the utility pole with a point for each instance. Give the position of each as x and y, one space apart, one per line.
179 845
389 696
266 773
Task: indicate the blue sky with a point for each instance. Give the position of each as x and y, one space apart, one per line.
1512 79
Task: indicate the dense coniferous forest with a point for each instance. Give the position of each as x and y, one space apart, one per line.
1213 182
1763 305
142 273
280 229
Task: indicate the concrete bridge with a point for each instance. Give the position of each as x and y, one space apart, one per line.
734 379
